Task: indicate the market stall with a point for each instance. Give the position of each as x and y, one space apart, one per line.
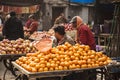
60 74
12 50
58 61
63 60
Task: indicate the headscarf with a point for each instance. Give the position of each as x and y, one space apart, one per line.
77 19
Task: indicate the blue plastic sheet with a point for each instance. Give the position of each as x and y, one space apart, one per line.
83 1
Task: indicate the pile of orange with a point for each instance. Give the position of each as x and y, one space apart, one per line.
63 57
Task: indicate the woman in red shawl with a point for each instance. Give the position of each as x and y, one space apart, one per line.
84 34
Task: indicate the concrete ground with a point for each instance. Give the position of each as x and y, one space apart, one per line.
9 76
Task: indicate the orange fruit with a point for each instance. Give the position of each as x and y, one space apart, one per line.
78 66
93 52
32 64
55 59
84 66
51 69
67 59
42 59
36 60
20 63
73 57
105 63
89 66
76 54
92 56
57 62
56 68
65 47
75 62
17 61
80 62
81 57
42 65
77 58
101 63
29 68
70 67
65 68
50 60
60 67
48 65
40 70
56 65
42 62
52 65
66 64
62 49
34 69
96 65
45 69
37 66
62 63
83 61
73 66
85 58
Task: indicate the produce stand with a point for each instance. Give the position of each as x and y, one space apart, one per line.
28 75
38 35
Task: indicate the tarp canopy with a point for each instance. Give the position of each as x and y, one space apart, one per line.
20 3
83 1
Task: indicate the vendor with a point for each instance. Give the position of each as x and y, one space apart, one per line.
13 28
61 36
33 26
28 23
84 34
61 19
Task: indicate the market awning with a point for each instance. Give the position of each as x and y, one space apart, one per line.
82 1
20 2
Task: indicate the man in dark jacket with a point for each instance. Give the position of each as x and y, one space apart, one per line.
13 28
